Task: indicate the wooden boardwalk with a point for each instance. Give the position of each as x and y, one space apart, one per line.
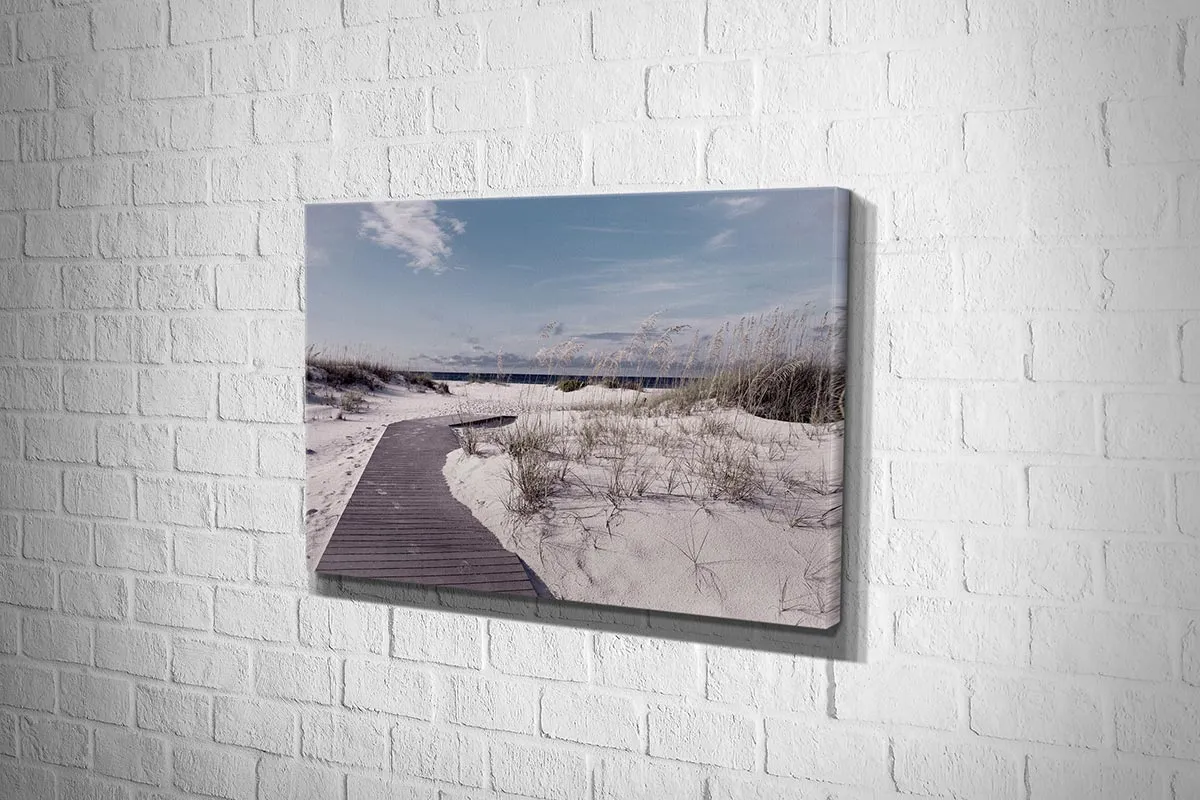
402 524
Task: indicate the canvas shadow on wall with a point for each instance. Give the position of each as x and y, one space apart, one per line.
624 400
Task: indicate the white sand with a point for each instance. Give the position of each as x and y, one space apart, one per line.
670 546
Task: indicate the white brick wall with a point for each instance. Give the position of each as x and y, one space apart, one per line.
1023 569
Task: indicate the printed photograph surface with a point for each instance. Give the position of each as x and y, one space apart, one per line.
627 400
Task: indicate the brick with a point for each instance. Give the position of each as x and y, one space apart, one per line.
57 639
28 488
130 650
208 340
98 493
1035 710
489 704
26 586
573 97
252 176
55 742
646 665
296 118
984 349
1151 426
858 23
93 697
1187 499
440 637
979 493
29 388
277 342
53 34
178 392
258 66
216 773
704 737
354 741
703 89
223 556
294 779
25 187
215 449
1152 280
961 76
280 454
389 688
175 287
26 781
589 718
963 630
747 678
58 235
1057 137
1153 574
1017 566
830 754
24 89
98 183
480 105
296 676
49 539
1158 722
965 770
421 50
614 776
253 397
906 282
542 772
97 286
90 82
257 286
123 547
94 595
737 27
212 663
928 142
72 134
361 12
1050 777
1022 277
1012 420
392 112
1095 498
534 39
24 687
182 501
132 129
1124 203
215 231
1139 61
255 615
1191 654
257 724
130 756
127 25
540 651
180 605
169 74
624 156
279 232
281 16
1110 350
193 22
1104 643
924 696
66 337
170 180
60 439
345 57
438 754
341 173
133 234
138 445
169 710
221 122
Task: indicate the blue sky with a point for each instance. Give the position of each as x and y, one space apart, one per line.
447 284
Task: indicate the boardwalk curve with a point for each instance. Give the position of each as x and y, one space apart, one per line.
403 524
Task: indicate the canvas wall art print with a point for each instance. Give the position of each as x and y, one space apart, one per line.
630 400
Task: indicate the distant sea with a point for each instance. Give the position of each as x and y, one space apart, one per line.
654 382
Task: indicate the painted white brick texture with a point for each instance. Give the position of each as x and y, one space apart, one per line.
1022 606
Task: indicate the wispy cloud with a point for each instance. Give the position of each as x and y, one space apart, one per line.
738 205
719 240
315 256
416 229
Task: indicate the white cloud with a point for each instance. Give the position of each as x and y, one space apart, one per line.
415 229
739 205
719 240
